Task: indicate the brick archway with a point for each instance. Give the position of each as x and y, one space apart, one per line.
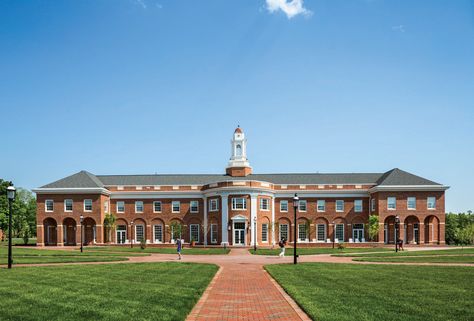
69 231
50 232
432 229
89 231
412 230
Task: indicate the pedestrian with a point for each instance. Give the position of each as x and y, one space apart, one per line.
400 245
179 246
282 245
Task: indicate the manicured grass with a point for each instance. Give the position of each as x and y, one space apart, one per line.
421 259
142 291
318 250
163 250
19 241
456 250
379 292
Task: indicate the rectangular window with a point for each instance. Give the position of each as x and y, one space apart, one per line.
302 236
120 206
283 206
138 206
239 203
157 206
302 205
106 206
139 233
49 205
214 233
265 233
431 202
283 232
194 206
321 228
68 205
87 205
321 206
175 206
372 204
358 206
340 232
194 232
391 203
213 205
264 204
339 206
411 203
158 233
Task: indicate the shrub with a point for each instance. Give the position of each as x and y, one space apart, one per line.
341 246
143 244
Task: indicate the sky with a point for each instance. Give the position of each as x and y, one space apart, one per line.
158 86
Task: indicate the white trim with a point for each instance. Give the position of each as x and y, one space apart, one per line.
84 203
75 190
260 203
46 206
244 204
191 231
404 188
211 200
117 207
343 206
161 206
172 207
361 206
191 206
285 201
324 206
389 208
143 207
305 206
408 203
72 205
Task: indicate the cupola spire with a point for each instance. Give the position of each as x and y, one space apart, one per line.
238 163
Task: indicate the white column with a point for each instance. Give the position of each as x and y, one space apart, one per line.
253 216
273 221
205 221
224 219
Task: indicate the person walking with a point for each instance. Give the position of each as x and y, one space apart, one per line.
282 245
179 246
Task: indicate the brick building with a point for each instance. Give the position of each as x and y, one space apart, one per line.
232 208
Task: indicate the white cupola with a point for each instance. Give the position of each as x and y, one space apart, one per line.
238 159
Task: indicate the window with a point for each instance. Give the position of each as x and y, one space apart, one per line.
340 232
239 203
265 233
321 206
139 207
391 203
157 206
358 206
284 231
158 233
321 229
49 205
431 202
302 206
194 206
283 206
339 206
87 205
139 233
175 206
194 232
68 205
213 205
411 203
372 204
106 206
302 233
120 206
214 233
238 151
264 204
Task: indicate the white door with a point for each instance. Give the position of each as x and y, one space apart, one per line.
239 233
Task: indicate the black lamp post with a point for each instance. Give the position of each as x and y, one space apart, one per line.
11 197
397 232
255 234
296 202
131 234
333 233
81 218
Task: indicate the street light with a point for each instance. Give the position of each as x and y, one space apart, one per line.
333 233
131 234
81 218
296 202
255 234
397 232
11 197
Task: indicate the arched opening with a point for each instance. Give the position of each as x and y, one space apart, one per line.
50 232
213 230
389 230
432 229
265 230
121 229
139 231
358 230
69 231
195 232
340 233
238 150
157 226
89 231
412 230
322 230
176 230
284 229
303 230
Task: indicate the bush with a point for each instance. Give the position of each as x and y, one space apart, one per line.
143 244
341 246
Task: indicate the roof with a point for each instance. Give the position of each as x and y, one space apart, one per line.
238 130
393 177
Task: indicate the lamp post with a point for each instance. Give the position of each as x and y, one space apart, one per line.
333 233
11 197
397 232
81 218
131 234
255 234
296 201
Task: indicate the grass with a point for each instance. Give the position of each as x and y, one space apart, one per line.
421 259
342 292
142 291
18 241
453 251
162 250
318 250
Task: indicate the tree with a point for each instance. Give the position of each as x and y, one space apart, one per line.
109 225
373 227
465 236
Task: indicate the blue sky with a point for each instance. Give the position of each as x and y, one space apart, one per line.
134 87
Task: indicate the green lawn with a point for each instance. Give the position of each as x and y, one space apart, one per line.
318 250
421 259
453 251
163 250
379 292
18 241
142 291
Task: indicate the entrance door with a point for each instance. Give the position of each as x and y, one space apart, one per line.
70 235
358 232
239 233
121 234
51 235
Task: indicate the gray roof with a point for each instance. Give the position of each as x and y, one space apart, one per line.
393 177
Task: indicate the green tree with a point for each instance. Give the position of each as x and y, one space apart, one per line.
373 227
465 236
109 225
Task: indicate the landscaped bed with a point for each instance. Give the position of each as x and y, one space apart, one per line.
162 250
379 292
319 250
142 291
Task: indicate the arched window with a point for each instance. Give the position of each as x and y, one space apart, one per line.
238 150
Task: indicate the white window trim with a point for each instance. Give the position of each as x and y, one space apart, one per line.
306 240
88 199
161 207
361 206
372 205
268 204
343 206
191 207
427 203
46 206
284 201
325 232
216 201
388 204
343 232
287 231
144 232
143 206
244 204
155 240
305 207
172 206
324 206
212 230
262 233
408 204
191 231
72 205
117 207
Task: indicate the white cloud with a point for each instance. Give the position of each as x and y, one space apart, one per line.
291 8
400 28
140 3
